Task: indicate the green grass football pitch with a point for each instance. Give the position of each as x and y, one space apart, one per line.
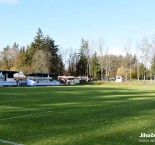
77 115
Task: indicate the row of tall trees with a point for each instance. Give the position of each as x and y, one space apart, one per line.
96 62
43 56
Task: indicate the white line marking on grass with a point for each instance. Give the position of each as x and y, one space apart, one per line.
22 116
9 107
9 142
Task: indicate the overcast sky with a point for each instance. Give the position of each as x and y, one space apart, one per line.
67 21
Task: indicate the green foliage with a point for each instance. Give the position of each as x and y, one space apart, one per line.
43 55
43 51
40 56
82 64
142 70
95 67
153 66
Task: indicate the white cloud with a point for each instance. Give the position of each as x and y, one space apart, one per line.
8 1
116 51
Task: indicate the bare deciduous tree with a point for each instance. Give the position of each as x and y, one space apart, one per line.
100 56
146 53
41 61
127 50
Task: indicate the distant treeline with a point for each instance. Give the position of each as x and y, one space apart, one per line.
44 56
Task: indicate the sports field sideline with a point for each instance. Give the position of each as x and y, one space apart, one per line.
77 115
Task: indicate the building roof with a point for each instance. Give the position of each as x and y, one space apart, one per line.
43 75
19 75
9 73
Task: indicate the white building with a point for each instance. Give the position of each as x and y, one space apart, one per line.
119 79
42 79
7 78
